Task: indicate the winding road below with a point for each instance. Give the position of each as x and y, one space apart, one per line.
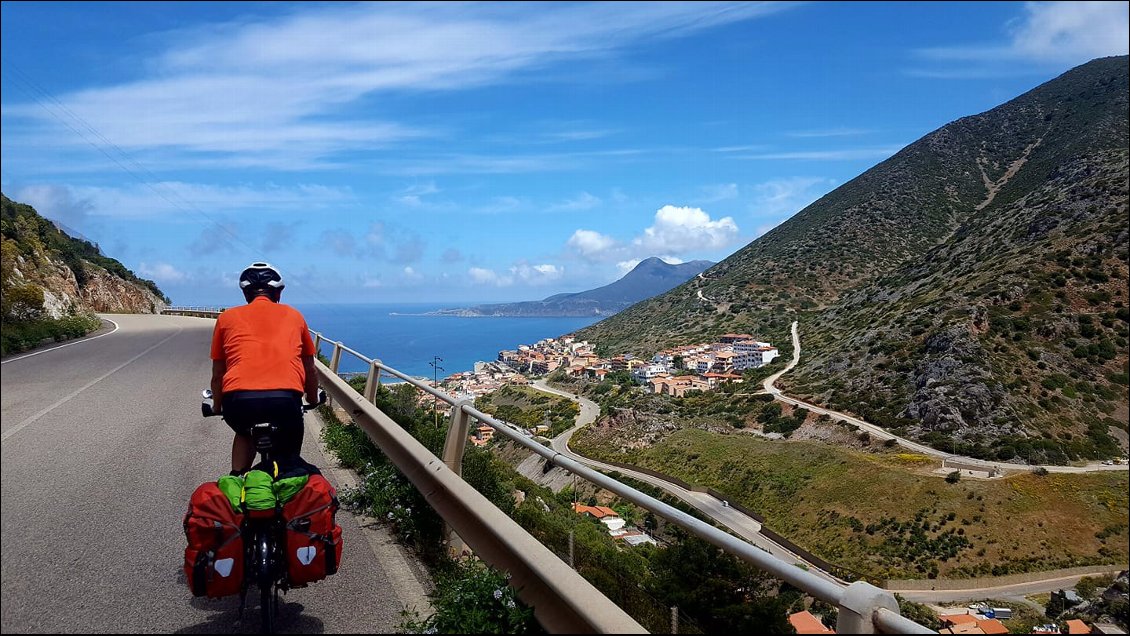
749 529
881 434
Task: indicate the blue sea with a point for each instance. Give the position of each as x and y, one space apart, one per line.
401 337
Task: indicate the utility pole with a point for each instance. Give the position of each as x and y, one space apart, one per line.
435 385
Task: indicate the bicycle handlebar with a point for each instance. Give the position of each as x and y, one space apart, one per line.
206 406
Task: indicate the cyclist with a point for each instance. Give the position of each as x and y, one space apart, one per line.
262 363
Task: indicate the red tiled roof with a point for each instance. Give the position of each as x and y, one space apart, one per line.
807 623
596 511
1076 626
992 626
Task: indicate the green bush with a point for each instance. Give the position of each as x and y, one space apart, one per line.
473 598
21 336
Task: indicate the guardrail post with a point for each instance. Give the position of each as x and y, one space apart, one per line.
457 434
372 382
858 606
453 447
335 362
317 344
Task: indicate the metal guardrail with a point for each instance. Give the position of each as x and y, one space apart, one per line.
562 600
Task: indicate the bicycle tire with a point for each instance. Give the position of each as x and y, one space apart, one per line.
268 600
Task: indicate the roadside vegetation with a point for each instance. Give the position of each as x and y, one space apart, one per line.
714 592
530 409
25 324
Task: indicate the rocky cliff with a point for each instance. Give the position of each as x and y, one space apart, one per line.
74 276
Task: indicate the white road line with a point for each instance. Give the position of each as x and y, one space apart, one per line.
66 345
18 427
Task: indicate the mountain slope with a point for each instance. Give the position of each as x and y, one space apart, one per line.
72 274
650 277
971 290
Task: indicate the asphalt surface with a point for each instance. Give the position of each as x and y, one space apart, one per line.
103 444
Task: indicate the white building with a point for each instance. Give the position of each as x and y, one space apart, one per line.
646 372
754 354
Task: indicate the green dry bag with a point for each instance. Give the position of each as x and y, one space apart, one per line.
232 487
258 490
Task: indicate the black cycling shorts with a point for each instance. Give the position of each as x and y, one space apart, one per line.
244 409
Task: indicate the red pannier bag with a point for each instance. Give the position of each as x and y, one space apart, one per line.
213 560
313 538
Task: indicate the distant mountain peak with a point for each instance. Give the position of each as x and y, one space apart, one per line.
650 277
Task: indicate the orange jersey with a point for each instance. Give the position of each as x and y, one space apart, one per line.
263 343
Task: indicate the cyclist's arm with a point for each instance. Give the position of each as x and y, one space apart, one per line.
311 380
219 367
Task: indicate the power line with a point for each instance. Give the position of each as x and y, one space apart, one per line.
39 95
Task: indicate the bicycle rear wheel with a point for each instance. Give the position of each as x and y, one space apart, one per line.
265 575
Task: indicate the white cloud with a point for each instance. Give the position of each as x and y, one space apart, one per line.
844 154
1072 31
583 201
590 244
1061 33
412 196
684 229
519 273
779 199
537 274
188 201
746 148
675 230
626 266
393 243
58 203
719 192
485 276
787 196
253 92
829 132
162 273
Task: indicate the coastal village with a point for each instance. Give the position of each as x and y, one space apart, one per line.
674 372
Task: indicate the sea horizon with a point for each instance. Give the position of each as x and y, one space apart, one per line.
404 336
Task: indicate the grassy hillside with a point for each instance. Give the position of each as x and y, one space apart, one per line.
886 513
957 288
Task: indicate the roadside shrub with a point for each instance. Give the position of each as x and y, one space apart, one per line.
473 599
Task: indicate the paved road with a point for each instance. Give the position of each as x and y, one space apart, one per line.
881 434
102 445
1015 592
740 523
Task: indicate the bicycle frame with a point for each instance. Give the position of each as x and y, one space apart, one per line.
263 531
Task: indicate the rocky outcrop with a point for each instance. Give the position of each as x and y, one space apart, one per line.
101 291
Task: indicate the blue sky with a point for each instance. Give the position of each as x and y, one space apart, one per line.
466 152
